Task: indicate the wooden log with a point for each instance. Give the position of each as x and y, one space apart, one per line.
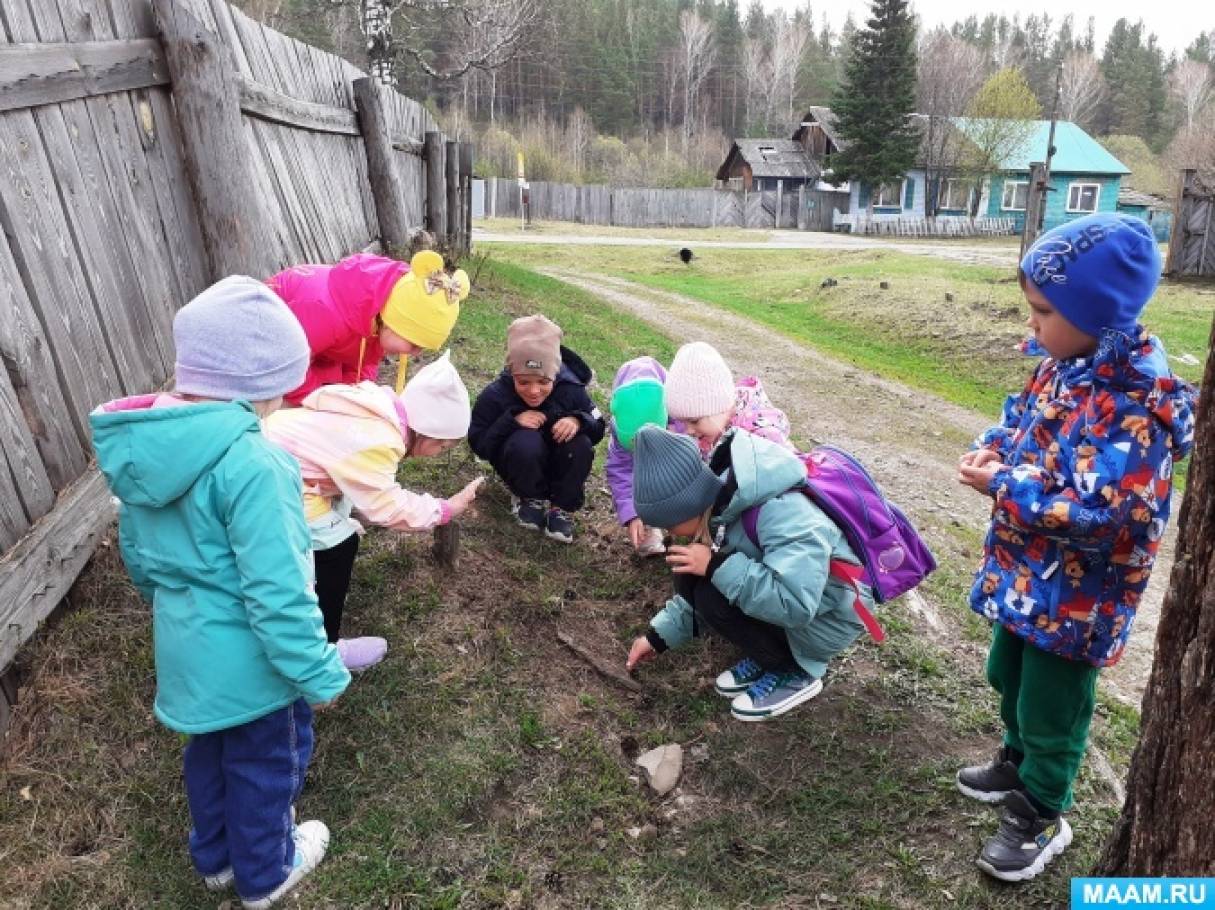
39 570
267 103
436 190
452 189
206 94
446 545
466 178
387 185
37 74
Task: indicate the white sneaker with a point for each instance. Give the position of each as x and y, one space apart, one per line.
651 543
224 877
311 842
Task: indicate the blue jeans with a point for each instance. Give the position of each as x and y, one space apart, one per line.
241 783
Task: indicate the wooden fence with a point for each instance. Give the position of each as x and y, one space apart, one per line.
1192 245
148 148
929 227
798 208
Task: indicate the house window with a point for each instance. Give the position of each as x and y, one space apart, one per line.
889 196
735 183
955 194
1015 194
1082 197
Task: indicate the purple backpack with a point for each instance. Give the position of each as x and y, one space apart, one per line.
893 555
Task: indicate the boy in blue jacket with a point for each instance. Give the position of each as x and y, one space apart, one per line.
212 532
538 427
1080 474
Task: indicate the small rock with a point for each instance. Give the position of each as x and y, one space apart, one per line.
649 831
662 767
684 802
698 753
601 843
596 824
828 283
633 832
885 285
948 297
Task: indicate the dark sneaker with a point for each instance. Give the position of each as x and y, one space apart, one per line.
529 513
738 678
991 782
773 694
559 525
1025 841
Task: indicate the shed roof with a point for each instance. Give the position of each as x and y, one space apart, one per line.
781 158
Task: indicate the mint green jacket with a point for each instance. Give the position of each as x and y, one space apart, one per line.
212 532
787 583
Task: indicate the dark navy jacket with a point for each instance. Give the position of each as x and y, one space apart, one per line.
493 416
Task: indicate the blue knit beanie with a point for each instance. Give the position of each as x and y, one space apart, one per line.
670 481
237 339
1098 271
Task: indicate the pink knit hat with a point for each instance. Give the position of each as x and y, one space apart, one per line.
699 383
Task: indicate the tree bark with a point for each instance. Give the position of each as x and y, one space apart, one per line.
1166 824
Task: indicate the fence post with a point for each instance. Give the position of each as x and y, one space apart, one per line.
237 235
1174 264
780 196
387 187
436 194
802 214
466 178
1035 199
453 193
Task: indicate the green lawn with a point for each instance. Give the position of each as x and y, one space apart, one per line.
484 765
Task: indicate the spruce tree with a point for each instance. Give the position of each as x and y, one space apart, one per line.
878 93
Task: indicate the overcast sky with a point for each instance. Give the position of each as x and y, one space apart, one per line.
1175 22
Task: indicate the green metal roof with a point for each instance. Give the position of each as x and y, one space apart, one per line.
1076 152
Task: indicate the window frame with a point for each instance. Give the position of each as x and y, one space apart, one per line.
943 197
877 195
1081 186
1004 207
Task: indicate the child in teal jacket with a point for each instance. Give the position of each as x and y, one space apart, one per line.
212 531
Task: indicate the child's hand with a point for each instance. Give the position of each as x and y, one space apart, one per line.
976 458
641 651
533 420
324 705
690 560
566 429
978 477
636 532
462 500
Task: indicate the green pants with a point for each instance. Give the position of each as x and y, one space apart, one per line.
1046 703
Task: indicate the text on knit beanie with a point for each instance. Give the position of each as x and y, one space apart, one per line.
436 401
424 304
1098 271
533 347
237 339
670 481
699 383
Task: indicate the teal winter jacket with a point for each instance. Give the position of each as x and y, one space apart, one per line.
786 580
212 532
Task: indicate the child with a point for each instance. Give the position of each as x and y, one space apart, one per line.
212 533
701 393
776 601
349 441
637 399
1080 472
537 426
367 306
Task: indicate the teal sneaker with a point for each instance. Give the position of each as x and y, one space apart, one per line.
773 694
738 678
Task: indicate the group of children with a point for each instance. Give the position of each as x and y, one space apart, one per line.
240 521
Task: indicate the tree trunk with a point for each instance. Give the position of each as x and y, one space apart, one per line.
1165 828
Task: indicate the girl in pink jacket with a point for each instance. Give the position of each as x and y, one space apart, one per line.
366 306
349 441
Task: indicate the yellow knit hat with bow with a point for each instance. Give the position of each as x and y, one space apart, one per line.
425 302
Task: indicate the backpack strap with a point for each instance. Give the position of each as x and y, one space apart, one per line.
845 572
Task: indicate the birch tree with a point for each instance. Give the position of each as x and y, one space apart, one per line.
1190 85
1081 88
695 61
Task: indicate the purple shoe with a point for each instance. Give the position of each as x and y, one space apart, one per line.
360 653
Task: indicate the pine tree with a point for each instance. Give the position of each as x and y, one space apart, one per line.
872 106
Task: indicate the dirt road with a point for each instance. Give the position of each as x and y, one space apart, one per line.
910 439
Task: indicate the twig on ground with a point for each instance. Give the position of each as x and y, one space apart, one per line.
609 673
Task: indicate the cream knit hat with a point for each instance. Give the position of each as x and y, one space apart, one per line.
436 401
699 383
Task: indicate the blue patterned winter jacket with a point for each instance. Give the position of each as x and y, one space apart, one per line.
1083 496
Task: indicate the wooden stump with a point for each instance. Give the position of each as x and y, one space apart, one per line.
446 546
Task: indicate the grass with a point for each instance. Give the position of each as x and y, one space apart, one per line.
483 765
541 228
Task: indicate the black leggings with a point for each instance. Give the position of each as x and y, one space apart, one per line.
766 644
333 570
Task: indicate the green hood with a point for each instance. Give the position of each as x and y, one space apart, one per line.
762 470
153 456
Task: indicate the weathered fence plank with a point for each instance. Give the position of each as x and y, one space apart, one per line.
436 190
35 74
269 104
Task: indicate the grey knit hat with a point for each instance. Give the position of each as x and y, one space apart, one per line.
237 339
670 482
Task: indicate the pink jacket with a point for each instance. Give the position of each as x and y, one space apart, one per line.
349 441
337 306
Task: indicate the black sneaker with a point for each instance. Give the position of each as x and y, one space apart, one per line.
1025 841
559 525
992 782
529 513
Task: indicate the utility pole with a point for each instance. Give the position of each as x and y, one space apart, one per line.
1036 212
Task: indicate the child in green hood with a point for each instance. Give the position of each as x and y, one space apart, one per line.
213 534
